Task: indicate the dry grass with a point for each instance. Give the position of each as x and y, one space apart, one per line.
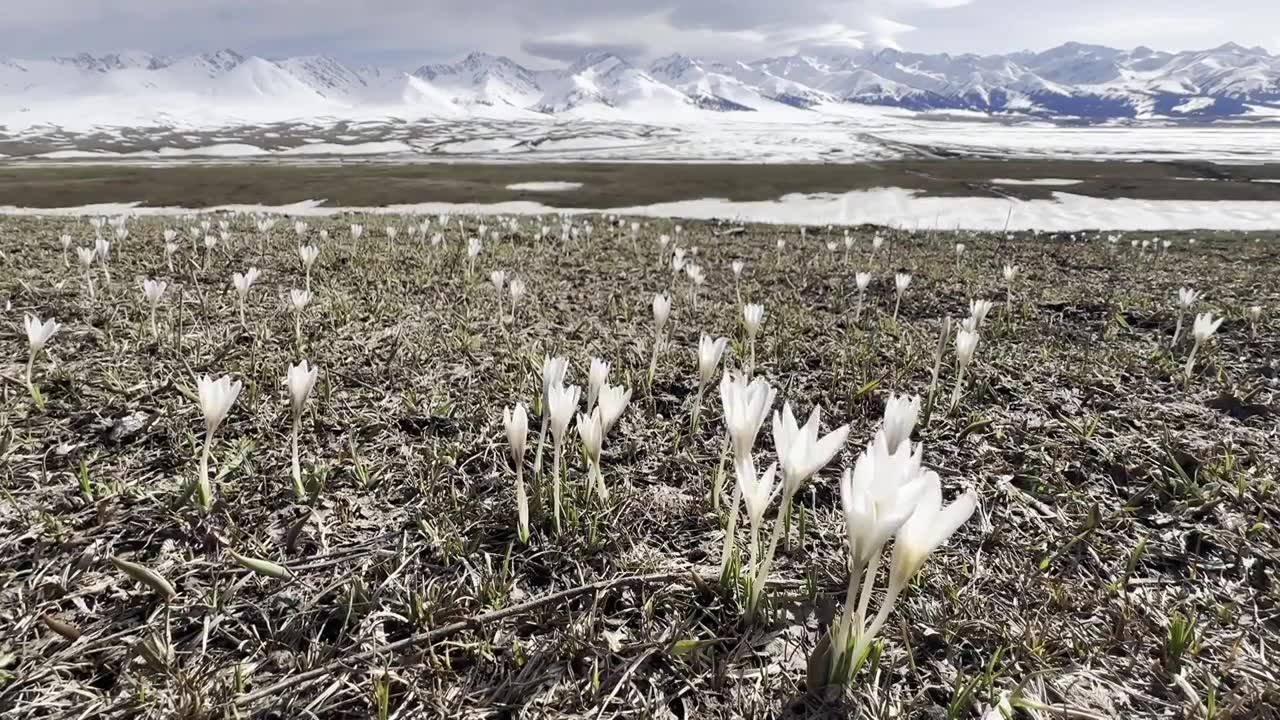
1114 499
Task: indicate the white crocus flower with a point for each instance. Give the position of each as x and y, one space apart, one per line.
709 352
591 432
216 399
901 282
153 290
554 372
978 310
38 334
862 280
938 353
298 300
900 415
661 313
300 379
801 454
517 290
1186 298
756 494
1203 329
1254 313
516 422
597 376
473 251
752 319
613 401
924 531
242 284
966 345
561 403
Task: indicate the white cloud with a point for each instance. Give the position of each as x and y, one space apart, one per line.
410 31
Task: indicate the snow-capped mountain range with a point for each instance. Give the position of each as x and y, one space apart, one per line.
1088 82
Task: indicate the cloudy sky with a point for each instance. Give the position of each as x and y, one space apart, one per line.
546 32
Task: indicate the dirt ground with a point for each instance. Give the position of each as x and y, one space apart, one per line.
1122 562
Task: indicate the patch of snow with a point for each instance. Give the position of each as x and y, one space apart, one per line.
545 186
1055 182
894 207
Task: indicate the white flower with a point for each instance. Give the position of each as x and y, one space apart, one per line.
562 401
210 242
242 283
929 526
782 244
1010 272
516 421
86 256
170 249
746 406
709 352
877 242
66 241
832 246
596 378
216 399
970 323
299 227
554 371
978 309
613 401
959 248
737 267
677 260
752 318
591 432
516 288
1205 327
1255 312
300 379
299 299
661 310
966 344
800 452
356 231
757 493
308 253
902 281
153 290
879 494
900 414
473 247
103 249
695 274
1187 297
863 279
498 278
38 333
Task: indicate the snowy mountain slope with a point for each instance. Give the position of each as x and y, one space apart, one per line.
1075 80
608 80
484 79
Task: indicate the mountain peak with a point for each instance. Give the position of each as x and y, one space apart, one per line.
601 60
1073 80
